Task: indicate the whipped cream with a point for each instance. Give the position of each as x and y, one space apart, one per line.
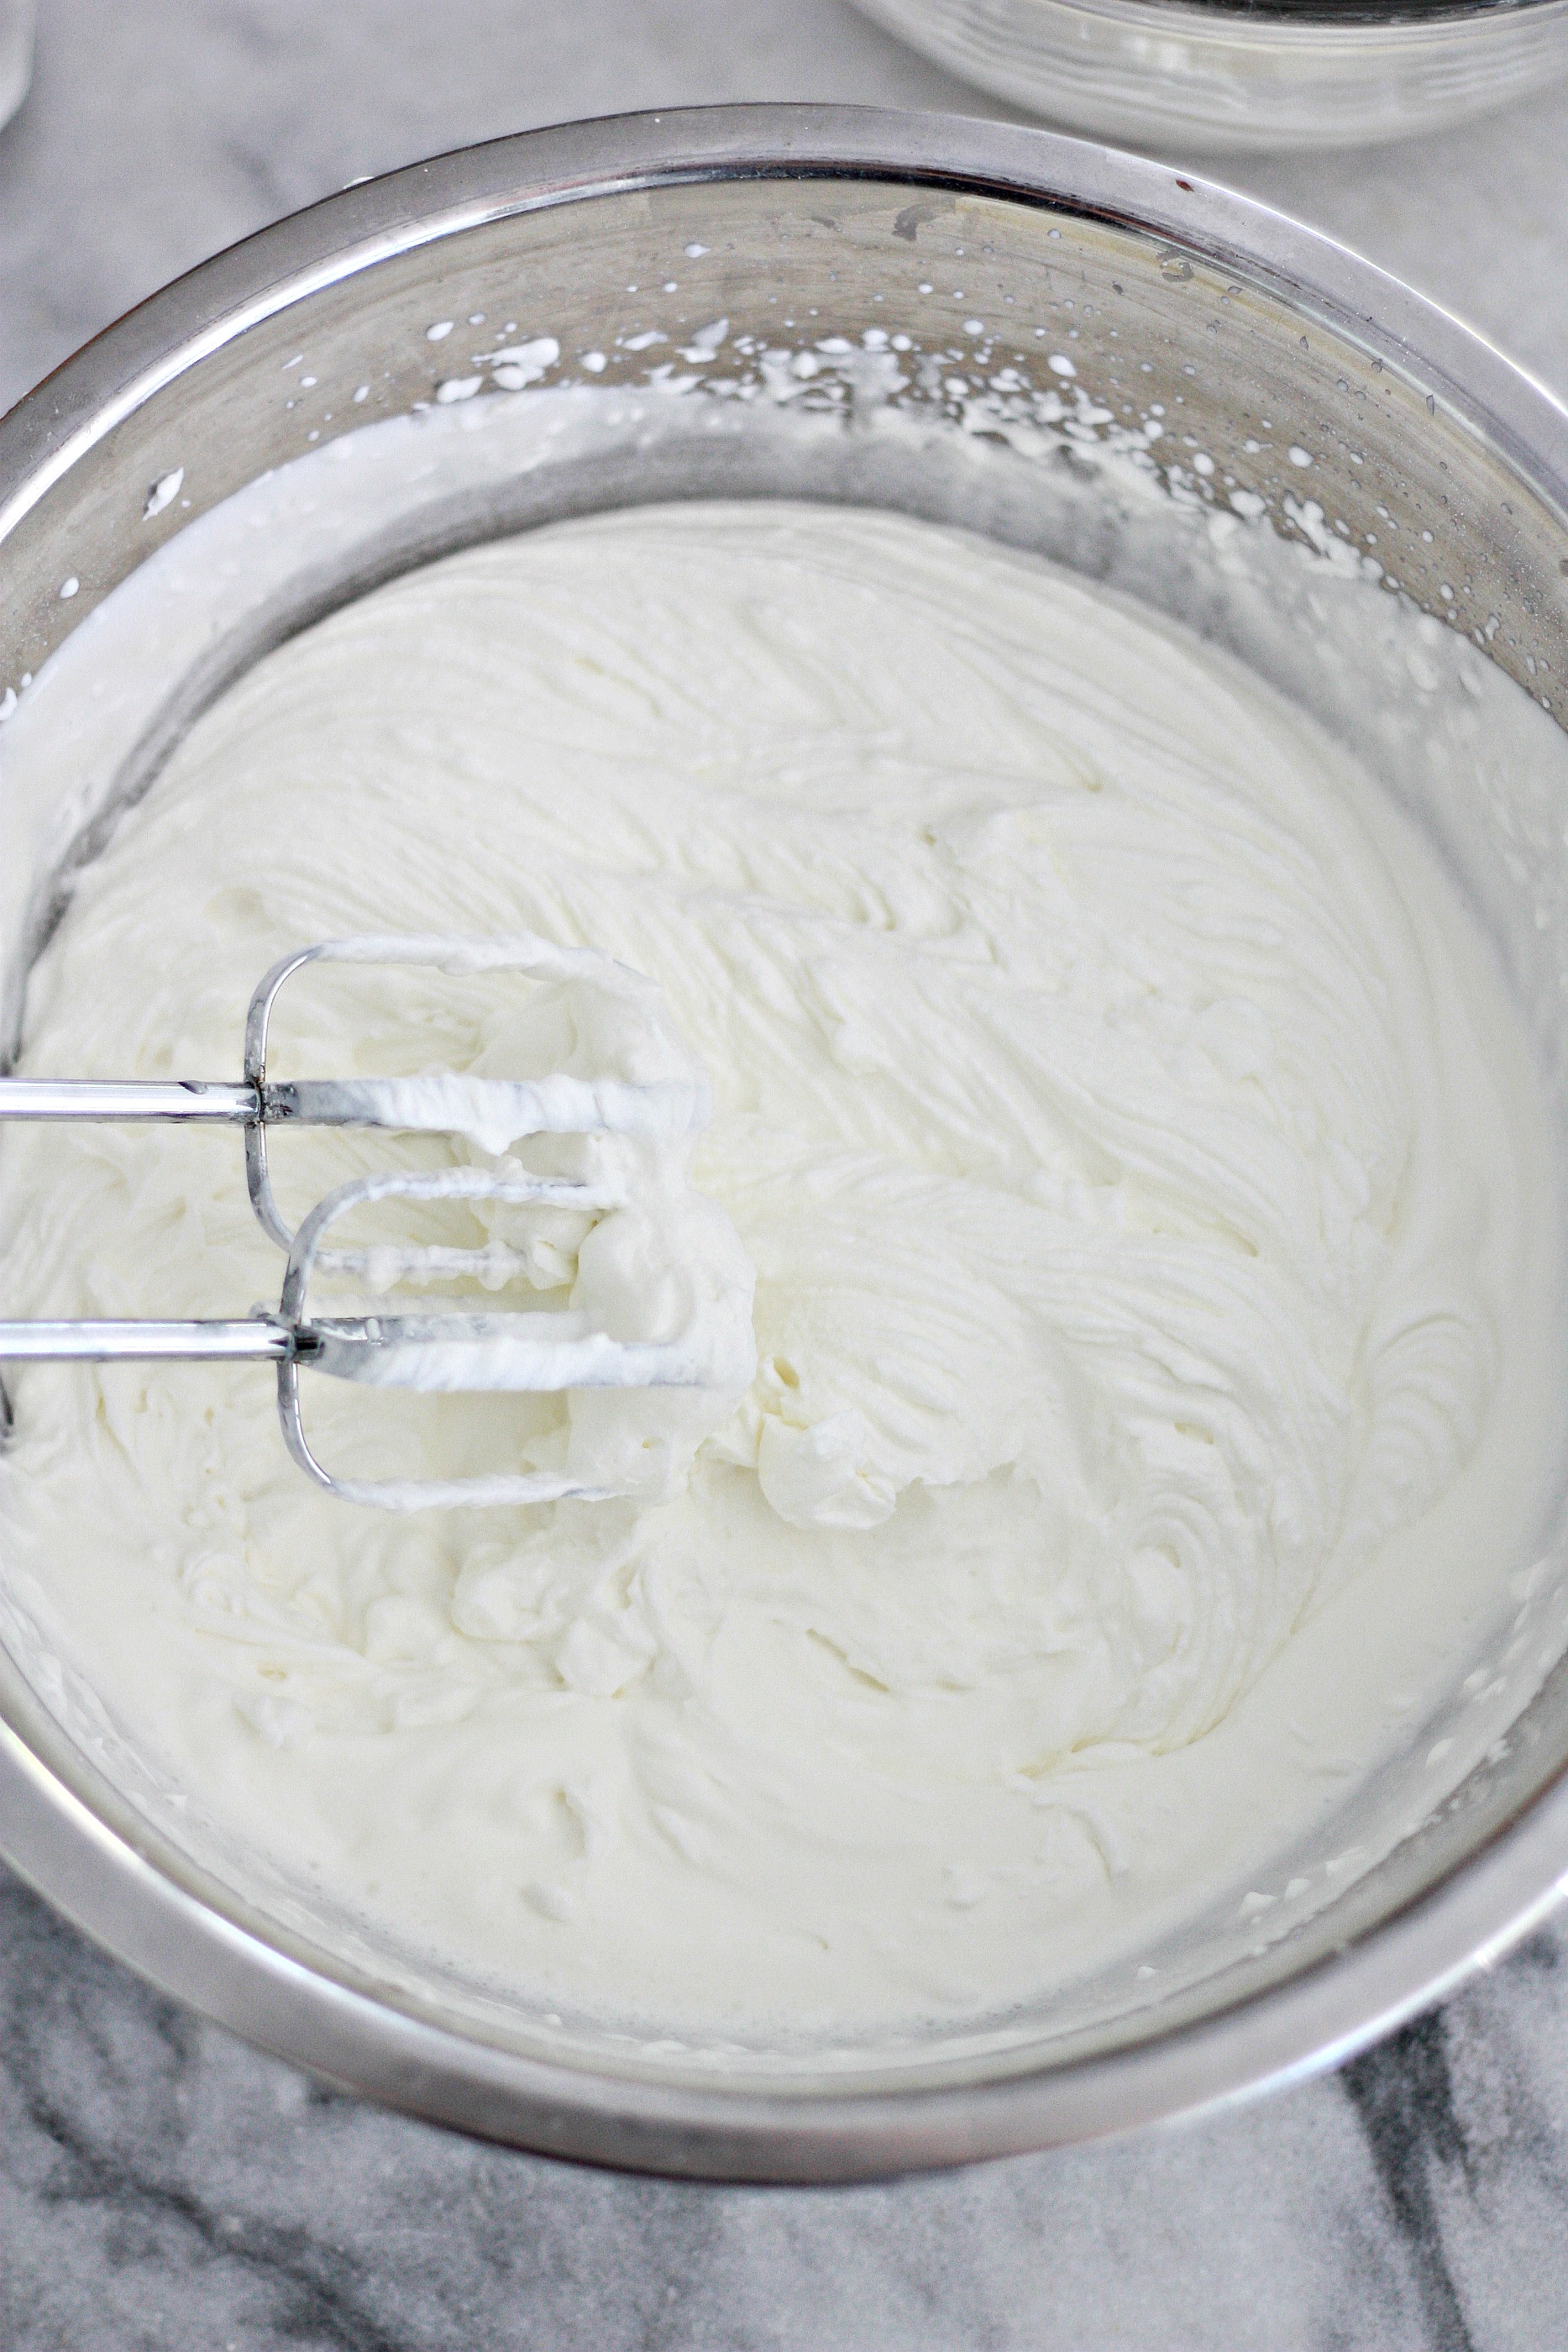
1154 1217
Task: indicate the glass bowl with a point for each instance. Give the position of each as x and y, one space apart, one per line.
1242 76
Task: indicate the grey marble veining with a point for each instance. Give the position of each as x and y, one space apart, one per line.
162 2187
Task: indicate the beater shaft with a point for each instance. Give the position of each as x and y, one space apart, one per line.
442 1104
255 1339
130 1099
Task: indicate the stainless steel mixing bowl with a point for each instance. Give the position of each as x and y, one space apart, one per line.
809 231
1243 77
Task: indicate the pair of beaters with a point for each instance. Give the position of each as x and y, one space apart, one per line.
446 1352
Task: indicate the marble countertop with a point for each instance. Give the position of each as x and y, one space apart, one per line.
162 2188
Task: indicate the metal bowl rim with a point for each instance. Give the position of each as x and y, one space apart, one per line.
117 1894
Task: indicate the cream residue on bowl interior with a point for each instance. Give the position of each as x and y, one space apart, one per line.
1159 1300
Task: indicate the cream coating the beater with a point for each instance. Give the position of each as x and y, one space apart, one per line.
1159 1299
